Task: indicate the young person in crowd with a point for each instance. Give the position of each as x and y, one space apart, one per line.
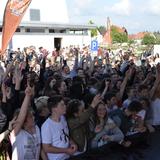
78 118
104 128
116 78
25 136
55 134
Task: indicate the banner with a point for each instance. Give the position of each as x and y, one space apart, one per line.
13 14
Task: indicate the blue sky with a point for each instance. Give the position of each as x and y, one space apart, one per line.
135 15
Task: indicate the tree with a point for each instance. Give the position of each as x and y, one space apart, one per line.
131 41
157 35
118 37
102 30
149 39
94 32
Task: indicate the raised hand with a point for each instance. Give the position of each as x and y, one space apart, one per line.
97 99
23 65
29 91
17 78
6 91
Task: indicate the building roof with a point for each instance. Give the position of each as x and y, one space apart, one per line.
119 29
55 25
137 36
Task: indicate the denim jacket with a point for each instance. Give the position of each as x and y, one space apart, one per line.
111 130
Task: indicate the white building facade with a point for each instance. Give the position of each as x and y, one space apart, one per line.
46 23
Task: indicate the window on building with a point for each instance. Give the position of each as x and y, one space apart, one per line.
0 29
34 14
35 30
51 31
85 32
27 29
79 32
62 31
18 30
72 32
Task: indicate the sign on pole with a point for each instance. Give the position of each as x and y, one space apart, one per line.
94 45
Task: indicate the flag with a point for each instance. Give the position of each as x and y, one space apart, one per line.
13 14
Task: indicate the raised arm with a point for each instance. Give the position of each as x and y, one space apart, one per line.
9 67
17 79
106 88
23 111
84 116
124 83
76 60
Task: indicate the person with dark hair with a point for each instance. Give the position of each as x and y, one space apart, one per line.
137 114
60 87
143 91
104 128
110 100
77 118
77 89
135 133
55 133
131 92
81 74
134 107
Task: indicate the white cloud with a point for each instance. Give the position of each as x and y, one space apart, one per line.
80 6
83 3
76 11
123 7
153 6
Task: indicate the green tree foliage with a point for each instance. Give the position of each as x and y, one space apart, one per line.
102 30
94 32
149 39
130 41
118 37
157 35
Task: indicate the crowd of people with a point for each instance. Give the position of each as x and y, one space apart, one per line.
100 106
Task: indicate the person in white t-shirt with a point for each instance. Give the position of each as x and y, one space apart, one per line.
55 134
25 136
